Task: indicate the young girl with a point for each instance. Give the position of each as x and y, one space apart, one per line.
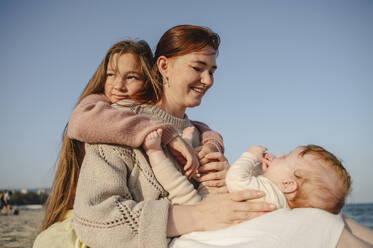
123 74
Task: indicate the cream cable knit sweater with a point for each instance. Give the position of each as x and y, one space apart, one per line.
119 202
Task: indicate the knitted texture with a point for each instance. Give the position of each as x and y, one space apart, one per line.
94 120
118 201
209 136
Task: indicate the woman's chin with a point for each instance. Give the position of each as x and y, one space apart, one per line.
194 103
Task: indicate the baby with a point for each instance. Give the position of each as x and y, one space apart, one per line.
307 177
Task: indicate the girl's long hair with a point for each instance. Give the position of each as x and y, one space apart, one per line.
71 154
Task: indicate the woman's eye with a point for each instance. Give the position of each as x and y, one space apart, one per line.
196 68
110 74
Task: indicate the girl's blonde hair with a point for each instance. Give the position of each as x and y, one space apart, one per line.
70 157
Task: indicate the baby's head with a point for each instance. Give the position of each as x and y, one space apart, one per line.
125 73
310 176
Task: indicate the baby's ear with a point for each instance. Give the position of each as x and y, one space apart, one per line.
289 186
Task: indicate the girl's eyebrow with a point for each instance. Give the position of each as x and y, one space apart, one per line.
135 72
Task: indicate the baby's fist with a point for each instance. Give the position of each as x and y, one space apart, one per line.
258 152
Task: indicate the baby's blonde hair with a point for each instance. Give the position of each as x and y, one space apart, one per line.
315 187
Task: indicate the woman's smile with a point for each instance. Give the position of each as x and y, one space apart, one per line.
199 89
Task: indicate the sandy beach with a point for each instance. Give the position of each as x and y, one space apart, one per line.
20 230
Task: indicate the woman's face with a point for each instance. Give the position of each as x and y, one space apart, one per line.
186 80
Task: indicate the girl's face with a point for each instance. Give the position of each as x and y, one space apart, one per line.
186 80
124 77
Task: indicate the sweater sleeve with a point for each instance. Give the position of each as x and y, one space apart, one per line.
240 174
106 214
94 120
209 136
180 190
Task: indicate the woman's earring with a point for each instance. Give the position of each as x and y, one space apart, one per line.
166 83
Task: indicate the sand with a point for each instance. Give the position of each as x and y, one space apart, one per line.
20 230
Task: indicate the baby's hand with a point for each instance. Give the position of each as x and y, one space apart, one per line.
258 152
152 141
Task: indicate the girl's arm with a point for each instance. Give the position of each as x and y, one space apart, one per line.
94 120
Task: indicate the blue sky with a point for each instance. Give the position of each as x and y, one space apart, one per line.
289 73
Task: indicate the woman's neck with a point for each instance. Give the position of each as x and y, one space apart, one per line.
170 108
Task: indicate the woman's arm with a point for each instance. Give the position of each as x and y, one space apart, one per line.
360 231
215 212
94 120
348 240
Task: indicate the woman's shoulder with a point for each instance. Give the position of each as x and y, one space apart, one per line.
113 153
102 148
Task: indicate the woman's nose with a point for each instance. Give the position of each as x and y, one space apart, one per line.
207 79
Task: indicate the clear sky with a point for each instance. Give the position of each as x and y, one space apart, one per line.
289 73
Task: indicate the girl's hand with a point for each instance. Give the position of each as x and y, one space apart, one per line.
213 172
185 154
222 210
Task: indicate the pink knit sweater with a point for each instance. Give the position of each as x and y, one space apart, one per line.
94 120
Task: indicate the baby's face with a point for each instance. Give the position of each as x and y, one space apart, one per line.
283 166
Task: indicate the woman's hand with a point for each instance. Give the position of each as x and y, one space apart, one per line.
216 211
185 154
203 150
213 170
222 210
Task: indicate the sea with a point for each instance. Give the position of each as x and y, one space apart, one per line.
360 212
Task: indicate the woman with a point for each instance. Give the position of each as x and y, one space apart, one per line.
118 200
